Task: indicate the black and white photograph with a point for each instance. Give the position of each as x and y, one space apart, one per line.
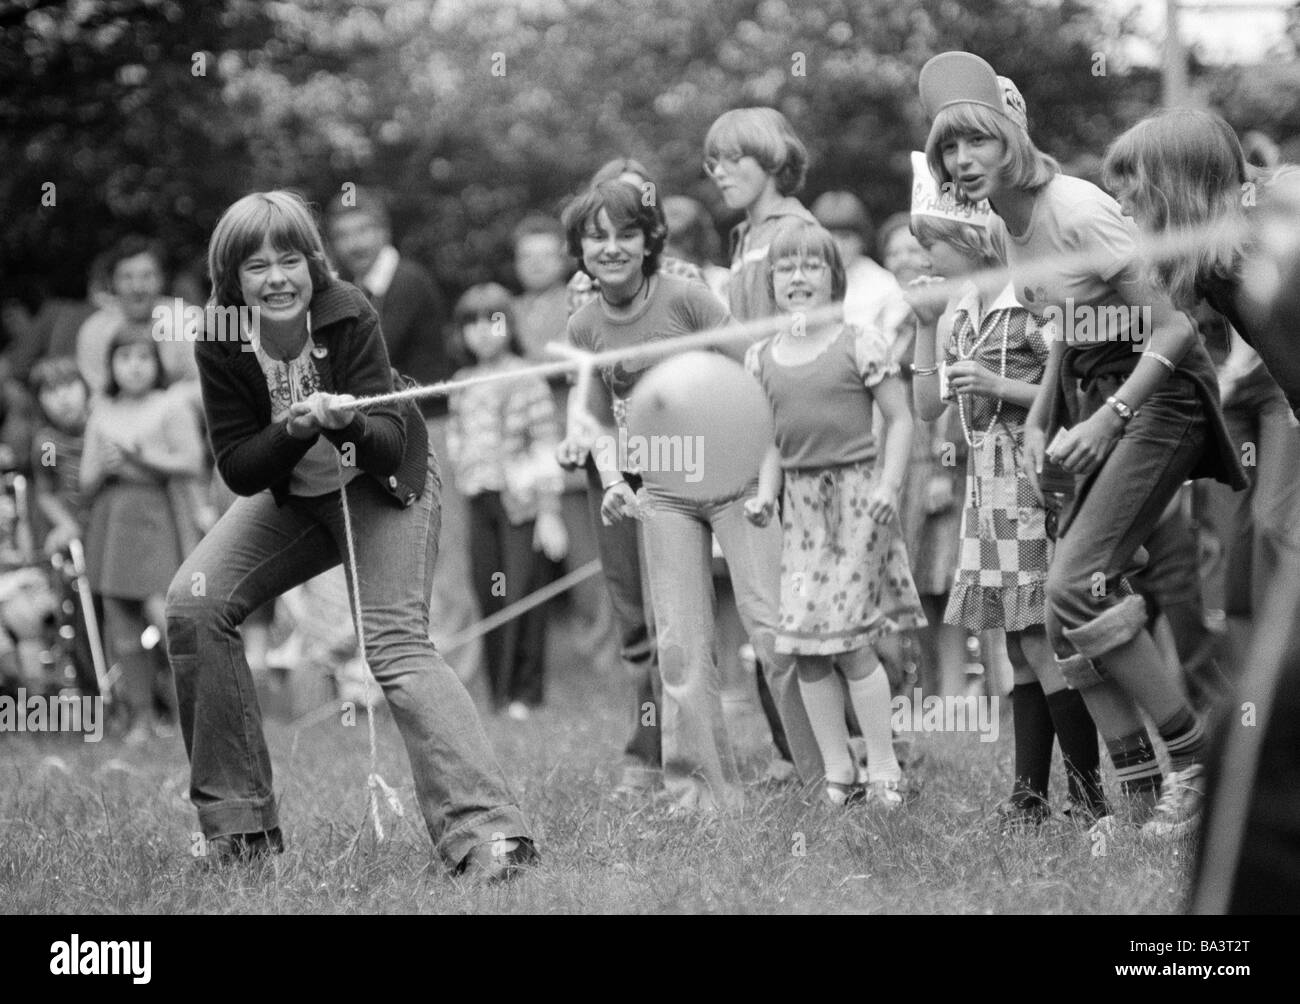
683 457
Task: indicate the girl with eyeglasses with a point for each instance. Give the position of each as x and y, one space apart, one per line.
845 580
758 164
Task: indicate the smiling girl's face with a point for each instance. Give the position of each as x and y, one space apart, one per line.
277 282
801 282
613 255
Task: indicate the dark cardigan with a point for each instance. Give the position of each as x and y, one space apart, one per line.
253 454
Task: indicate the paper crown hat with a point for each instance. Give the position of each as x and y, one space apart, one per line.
952 78
929 200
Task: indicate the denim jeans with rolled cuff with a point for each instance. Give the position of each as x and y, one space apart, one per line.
1117 508
699 764
257 551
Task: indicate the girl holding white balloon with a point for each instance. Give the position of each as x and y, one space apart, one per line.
618 239
845 580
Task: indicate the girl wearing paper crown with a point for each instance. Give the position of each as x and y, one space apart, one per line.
994 353
1142 400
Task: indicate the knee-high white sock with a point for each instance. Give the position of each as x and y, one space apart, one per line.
870 697
824 701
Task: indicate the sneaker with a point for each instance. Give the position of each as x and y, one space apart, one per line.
838 793
518 711
884 794
1022 811
244 848
497 861
1179 810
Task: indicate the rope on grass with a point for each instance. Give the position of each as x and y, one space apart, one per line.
375 784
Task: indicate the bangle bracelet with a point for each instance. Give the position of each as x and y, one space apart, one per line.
924 370
1160 359
612 484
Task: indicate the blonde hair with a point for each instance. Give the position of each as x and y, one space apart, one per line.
282 216
970 241
1184 169
1023 167
766 135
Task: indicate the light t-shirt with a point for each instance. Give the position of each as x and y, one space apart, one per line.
1077 241
288 382
675 307
874 299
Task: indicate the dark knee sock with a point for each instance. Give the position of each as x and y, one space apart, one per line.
1077 735
1184 738
1034 735
1135 763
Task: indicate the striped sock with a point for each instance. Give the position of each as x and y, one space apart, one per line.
1184 737
1135 763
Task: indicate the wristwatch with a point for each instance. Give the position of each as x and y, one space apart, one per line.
1125 413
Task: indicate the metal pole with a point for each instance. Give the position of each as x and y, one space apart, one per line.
1174 77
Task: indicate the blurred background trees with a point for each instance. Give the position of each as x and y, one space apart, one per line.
153 115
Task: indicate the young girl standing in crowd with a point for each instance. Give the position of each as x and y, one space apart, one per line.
139 440
619 543
619 238
501 443
759 165
1147 405
845 582
994 352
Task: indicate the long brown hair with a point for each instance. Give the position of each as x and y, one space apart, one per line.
1184 170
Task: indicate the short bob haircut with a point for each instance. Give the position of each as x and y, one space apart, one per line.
487 300
122 339
970 241
764 134
283 217
1185 169
1024 167
801 239
622 201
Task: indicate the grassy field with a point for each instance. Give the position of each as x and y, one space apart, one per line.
102 828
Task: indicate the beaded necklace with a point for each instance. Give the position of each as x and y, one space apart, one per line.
965 353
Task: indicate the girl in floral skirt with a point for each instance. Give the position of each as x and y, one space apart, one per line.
845 581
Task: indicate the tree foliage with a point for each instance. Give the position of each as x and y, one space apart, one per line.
471 112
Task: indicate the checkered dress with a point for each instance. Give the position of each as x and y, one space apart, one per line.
1004 551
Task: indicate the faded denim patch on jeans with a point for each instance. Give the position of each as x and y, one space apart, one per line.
258 551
